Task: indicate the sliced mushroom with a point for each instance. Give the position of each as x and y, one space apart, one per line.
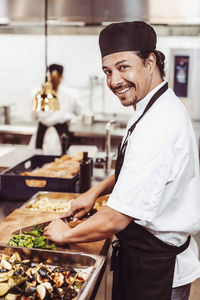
6 275
82 276
15 257
12 296
5 264
42 292
58 278
4 288
48 286
70 280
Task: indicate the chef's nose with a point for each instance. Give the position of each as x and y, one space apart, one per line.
116 79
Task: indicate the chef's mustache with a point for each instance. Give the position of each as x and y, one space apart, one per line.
121 87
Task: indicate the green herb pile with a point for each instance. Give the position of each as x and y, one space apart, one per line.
32 239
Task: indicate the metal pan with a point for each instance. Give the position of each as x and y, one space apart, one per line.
92 264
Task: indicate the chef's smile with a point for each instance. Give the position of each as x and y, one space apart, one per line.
123 90
120 92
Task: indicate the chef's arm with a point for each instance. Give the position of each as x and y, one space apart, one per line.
105 187
100 226
85 201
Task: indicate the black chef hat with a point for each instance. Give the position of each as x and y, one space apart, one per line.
56 67
127 36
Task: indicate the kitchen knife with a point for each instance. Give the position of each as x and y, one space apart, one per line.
65 219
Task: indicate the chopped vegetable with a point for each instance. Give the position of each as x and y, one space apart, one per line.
32 239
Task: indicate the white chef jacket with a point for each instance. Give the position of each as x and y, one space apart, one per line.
159 180
69 106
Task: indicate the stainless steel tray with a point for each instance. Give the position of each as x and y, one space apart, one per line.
92 264
52 196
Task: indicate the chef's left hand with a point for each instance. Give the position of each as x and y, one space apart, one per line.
56 231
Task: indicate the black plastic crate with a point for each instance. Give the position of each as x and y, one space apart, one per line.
13 186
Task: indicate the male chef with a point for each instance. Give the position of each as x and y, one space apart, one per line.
154 205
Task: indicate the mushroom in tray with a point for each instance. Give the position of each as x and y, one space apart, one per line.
19 279
5 275
43 274
58 278
43 292
64 293
4 288
15 258
30 289
12 296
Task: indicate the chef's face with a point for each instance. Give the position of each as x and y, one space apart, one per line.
128 76
55 79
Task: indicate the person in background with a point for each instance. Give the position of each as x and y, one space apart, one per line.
52 125
154 205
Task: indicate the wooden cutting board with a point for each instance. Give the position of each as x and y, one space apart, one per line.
24 217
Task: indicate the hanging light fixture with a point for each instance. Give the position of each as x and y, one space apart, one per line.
46 99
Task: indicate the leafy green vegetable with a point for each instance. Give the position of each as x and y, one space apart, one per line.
32 239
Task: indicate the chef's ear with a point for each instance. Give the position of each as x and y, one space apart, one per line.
151 60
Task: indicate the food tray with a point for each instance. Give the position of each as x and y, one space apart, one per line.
54 196
92 264
14 186
51 197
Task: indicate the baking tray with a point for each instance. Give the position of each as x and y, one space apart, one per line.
92 264
13 186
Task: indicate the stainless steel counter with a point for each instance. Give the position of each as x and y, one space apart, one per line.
11 155
18 129
96 129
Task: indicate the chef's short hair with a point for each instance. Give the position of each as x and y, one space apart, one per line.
56 67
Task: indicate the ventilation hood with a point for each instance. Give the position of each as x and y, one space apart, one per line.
98 12
87 11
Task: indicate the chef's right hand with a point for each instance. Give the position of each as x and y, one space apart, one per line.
82 205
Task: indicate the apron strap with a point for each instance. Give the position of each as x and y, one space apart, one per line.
40 135
122 147
61 128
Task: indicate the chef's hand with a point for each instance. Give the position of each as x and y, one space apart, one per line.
82 204
56 230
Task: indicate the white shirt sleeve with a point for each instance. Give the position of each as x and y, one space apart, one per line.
146 170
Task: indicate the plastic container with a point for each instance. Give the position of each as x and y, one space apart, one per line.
13 186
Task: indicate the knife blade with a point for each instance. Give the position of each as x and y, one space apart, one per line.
64 219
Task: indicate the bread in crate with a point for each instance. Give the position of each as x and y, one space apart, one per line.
64 167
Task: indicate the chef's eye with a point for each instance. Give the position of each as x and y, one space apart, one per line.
123 67
107 72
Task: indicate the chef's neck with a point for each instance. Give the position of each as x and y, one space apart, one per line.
156 80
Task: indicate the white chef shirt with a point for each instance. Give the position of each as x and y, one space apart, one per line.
69 106
159 180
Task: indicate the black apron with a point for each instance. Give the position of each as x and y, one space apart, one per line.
143 265
62 130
